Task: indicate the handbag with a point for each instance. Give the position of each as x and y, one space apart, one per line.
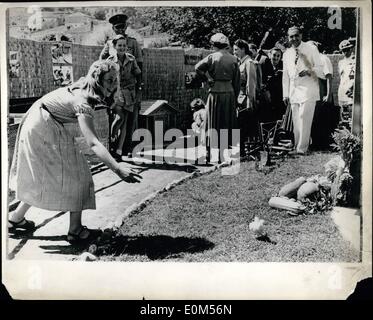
242 102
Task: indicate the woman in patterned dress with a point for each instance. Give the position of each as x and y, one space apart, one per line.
48 170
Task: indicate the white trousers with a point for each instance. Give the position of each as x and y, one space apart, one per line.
302 114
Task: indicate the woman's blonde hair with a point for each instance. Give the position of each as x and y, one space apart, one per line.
91 84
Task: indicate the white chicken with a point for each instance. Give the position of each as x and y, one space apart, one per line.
257 226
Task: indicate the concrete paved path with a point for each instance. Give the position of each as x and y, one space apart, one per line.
348 222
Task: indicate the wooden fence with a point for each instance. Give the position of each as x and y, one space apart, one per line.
163 71
163 74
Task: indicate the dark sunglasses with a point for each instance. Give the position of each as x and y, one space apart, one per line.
120 26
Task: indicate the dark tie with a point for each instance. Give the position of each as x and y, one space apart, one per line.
296 56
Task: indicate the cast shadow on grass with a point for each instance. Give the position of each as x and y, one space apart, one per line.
154 247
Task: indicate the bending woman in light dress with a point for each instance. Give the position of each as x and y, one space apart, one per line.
48 170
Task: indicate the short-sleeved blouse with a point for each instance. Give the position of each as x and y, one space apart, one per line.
65 105
221 66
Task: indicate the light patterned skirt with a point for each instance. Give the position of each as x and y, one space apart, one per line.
48 170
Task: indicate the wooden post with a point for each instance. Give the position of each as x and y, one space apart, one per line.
356 111
355 167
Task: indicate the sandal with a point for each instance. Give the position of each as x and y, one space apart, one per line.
24 224
75 238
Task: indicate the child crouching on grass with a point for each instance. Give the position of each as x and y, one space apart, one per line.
199 119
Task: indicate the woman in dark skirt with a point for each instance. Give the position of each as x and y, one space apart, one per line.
273 87
223 76
325 118
48 170
249 93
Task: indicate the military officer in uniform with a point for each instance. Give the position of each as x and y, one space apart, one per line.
120 25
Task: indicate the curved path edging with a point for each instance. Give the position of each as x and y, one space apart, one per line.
139 206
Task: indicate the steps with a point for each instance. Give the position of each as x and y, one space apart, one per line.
348 221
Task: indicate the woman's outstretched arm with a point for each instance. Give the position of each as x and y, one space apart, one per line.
89 133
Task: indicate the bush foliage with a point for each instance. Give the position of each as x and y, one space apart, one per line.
195 25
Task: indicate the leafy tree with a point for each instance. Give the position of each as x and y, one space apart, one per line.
100 15
48 9
195 25
145 16
129 11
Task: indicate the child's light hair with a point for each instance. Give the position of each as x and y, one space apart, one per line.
197 104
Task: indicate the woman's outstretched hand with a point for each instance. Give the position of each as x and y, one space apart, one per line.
128 175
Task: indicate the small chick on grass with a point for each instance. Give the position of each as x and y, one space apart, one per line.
257 226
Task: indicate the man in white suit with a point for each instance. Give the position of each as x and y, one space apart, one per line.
301 68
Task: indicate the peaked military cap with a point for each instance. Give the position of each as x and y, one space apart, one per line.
118 18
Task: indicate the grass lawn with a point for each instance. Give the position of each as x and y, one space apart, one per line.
206 219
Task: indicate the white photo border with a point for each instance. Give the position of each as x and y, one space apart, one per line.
153 280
